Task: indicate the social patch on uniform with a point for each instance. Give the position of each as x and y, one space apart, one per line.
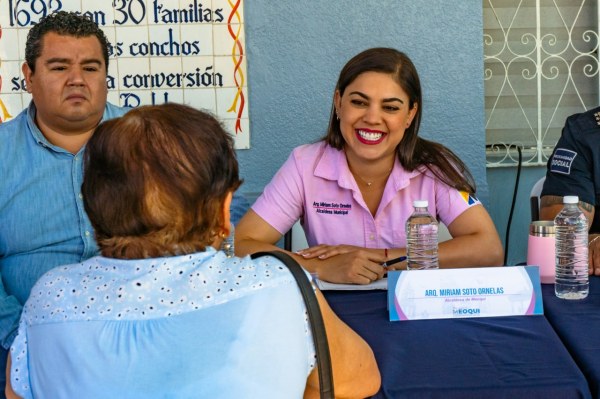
469 199
562 159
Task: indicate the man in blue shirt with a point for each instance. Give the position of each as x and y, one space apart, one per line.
43 221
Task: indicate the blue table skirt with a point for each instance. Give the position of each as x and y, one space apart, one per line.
501 357
578 325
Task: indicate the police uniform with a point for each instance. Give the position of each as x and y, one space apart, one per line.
574 167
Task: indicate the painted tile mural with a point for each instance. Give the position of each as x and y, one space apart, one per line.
187 51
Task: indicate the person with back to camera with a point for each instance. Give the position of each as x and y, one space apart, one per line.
44 224
163 313
353 190
574 169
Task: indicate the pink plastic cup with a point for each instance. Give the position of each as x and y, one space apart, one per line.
541 249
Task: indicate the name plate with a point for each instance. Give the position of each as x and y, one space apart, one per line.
459 293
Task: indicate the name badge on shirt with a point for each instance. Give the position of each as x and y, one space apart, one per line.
331 208
562 161
460 293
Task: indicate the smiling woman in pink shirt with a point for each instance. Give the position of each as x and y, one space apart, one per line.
353 191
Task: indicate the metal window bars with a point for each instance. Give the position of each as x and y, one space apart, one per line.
540 66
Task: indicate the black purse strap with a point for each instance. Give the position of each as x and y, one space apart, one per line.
316 321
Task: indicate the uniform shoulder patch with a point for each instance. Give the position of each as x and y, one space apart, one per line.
469 199
562 159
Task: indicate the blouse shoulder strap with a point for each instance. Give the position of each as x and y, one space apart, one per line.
316 320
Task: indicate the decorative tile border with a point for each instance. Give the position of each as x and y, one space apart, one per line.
188 51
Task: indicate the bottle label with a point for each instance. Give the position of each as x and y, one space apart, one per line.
459 293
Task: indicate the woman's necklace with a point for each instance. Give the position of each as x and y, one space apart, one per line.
370 183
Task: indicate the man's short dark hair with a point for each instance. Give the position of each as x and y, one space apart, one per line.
62 23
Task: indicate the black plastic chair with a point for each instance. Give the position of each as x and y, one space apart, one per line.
287 240
534 199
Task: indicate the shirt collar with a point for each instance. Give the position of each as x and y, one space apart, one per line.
332 165
39 136
35 130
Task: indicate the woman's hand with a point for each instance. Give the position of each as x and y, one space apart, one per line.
324 251
346 264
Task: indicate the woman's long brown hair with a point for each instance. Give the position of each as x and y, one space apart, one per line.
413 151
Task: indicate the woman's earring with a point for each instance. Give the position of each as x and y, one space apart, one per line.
227 243
337 115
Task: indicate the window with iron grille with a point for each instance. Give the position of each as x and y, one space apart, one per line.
540 66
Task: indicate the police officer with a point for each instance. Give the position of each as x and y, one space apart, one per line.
574 169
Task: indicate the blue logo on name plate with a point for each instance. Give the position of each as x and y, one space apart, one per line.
562 161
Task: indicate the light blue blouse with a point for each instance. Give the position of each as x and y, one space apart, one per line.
193 326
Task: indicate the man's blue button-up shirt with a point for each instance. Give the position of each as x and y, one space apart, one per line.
42 220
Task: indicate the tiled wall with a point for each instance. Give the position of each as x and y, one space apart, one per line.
187 51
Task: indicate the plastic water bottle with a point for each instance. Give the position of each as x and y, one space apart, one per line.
572 278
421 238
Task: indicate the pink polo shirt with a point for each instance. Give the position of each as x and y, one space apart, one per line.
315 185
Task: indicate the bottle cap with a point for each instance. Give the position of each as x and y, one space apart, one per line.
570 199
420 203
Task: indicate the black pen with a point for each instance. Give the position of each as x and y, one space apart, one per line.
392 261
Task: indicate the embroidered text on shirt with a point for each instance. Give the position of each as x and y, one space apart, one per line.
562 159
332 208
